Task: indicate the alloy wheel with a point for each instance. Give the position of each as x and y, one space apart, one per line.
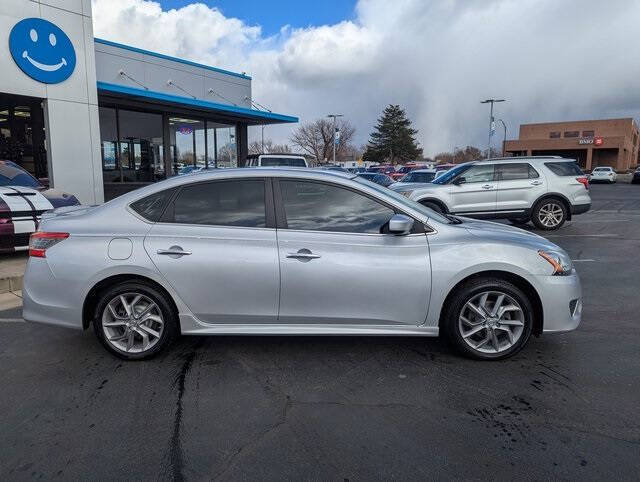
132 323
551 214
491 322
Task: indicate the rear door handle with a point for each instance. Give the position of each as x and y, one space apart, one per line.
303 254
174 251
487 186
536 183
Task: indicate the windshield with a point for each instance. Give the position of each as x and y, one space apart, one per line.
419 177
12 175
451 173
430 213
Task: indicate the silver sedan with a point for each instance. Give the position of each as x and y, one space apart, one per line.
296 252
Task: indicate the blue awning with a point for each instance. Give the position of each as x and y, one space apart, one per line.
241 114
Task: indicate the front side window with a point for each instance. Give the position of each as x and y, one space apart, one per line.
513 172
223 203
479 173
324 207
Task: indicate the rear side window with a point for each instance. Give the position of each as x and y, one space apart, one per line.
564 168
512 172
152 207
223 203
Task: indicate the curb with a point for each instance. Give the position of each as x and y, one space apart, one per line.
13 283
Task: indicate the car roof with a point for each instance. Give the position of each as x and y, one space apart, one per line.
518 159
426 169
275 154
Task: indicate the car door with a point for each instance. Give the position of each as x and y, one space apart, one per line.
338 266
216 245
474 190
519 185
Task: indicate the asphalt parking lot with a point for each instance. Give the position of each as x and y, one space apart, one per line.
344 408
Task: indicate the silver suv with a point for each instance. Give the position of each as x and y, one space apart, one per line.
545 190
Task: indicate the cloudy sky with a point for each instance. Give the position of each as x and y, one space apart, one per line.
551 59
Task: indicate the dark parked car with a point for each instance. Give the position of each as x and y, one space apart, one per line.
381 179
636 176
23 199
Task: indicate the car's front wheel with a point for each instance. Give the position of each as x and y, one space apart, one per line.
549 214
433 206
488 319
134 320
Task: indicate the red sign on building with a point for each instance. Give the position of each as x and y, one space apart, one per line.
597 141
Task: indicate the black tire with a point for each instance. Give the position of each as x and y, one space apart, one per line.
433 205
544 205
170 327
519 221
450 324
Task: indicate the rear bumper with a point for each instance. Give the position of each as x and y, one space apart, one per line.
561 298
580 208
44 300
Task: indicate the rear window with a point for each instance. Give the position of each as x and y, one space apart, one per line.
152 207
564 168
283 161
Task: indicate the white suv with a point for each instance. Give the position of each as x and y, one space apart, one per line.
545 190
276 160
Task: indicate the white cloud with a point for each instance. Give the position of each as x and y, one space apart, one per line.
552 60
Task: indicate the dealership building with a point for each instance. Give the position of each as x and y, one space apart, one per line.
97 118
593 143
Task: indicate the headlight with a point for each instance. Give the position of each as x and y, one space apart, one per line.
562 265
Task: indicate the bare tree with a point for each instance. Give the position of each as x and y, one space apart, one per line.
256 147
316 138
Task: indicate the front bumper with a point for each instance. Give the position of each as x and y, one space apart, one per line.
561 298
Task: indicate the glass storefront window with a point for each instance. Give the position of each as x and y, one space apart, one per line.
141 153
108 144
22 135
227 153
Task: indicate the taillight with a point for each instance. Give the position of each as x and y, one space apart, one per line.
584 181
40 241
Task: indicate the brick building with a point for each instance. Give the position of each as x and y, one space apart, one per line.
608 142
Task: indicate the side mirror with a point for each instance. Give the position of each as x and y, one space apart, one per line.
400 224
459 180
44 181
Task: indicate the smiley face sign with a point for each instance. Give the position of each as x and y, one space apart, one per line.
42 50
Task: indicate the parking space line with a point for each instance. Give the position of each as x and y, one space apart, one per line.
11 320
583 260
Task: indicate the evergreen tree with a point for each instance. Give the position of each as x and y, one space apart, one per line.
393 139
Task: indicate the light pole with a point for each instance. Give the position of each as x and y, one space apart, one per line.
263 138
490 101
334 116
504 139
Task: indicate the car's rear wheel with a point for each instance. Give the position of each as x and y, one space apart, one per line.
549 214
488 319
134 320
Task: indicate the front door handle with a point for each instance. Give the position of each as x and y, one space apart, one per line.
174 252
487 186
303 254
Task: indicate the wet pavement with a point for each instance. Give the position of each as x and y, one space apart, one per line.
343 408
